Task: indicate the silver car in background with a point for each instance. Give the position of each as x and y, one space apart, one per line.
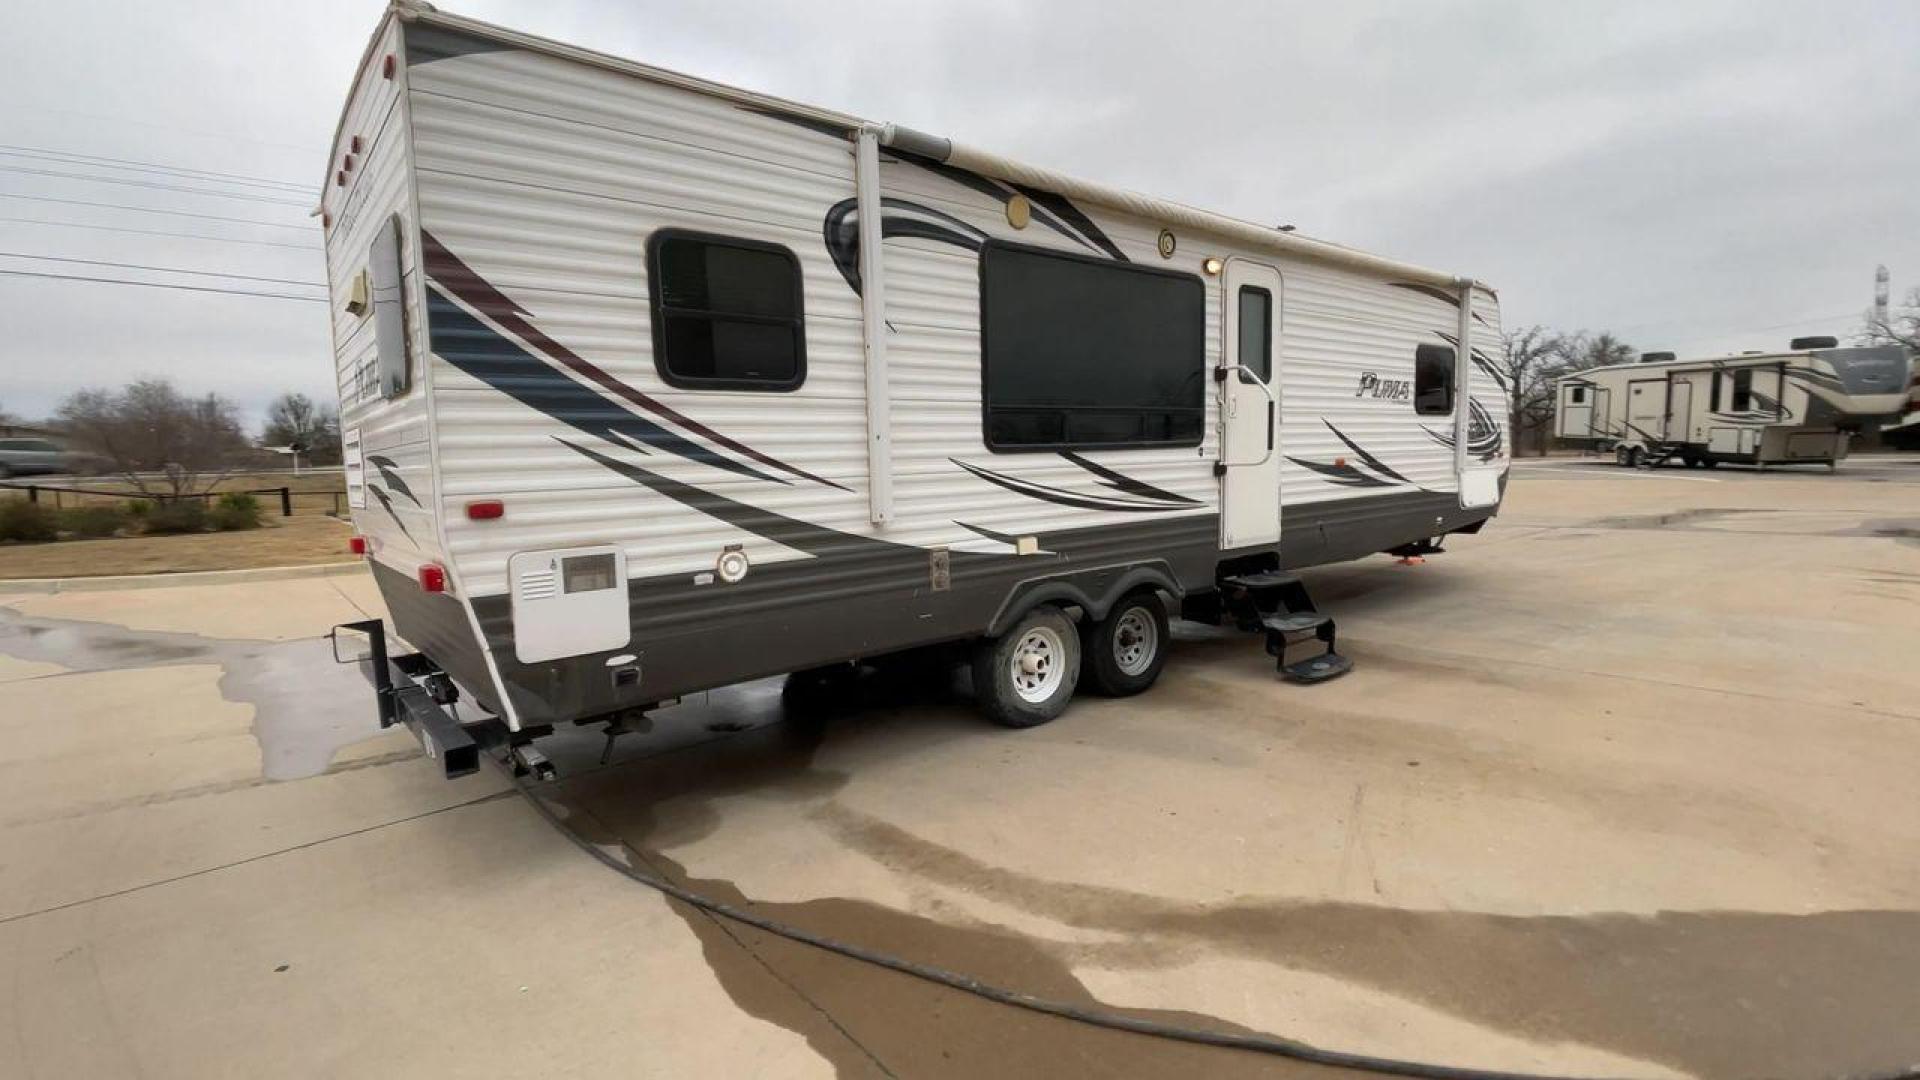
32 457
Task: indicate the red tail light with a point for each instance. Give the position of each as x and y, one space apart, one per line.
433 578
485 509
357 545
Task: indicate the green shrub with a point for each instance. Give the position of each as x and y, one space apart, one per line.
26 521
177 516
137 509
236 510
93 520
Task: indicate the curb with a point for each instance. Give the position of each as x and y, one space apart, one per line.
167 581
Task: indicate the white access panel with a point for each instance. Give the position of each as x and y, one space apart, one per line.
568 602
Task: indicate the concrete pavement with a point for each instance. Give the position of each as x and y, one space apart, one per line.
1621 786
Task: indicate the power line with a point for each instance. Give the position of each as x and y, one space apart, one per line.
35 153
160 269
200 132
156 232
162 285
154 210
155 185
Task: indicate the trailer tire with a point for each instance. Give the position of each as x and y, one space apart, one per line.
1623 456
1026 676
1123 653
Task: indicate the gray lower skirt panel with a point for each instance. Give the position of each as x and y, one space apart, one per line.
866 598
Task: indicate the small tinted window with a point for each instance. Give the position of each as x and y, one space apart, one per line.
389 310
1433 380
1088 353
1743 390
1256 333
1577 395
726 312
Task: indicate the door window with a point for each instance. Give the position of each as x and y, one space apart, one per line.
1256 333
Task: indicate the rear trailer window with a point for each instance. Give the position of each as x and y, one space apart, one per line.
1433 380
390 310
726 312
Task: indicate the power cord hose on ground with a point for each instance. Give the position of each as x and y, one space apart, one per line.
1260 1044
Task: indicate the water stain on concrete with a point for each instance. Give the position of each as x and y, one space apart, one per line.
306 708
1715 993
1907 531
1669 519
866 1020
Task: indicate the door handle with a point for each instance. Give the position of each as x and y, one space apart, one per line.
1273 406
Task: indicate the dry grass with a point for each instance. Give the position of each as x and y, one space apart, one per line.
297 541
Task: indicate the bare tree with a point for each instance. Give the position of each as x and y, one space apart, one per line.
294 420
1532 357
159 439
1598 350
1900 327
1535 359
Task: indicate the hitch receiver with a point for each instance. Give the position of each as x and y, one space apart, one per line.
403 700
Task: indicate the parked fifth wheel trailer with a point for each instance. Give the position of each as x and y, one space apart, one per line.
1799 407
651 385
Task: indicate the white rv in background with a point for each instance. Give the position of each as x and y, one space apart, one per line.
651 385
1799 407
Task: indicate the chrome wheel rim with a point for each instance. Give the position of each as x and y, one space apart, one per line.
1136 638
1038 664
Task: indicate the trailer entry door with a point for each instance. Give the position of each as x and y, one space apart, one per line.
1249 406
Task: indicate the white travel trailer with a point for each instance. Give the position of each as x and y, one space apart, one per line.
651 385
1799 407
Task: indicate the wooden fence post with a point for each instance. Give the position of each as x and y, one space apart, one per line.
286 502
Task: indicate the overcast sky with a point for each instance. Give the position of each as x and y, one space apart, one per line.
1693 175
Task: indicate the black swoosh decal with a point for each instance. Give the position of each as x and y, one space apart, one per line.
1063 498
387 505
447 271
1344 475
1073 216
390 472
475 348
1373 462
1438 293
841 231
1127 484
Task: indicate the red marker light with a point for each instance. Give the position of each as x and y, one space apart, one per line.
485 509
386 66
355 145
357 545
433 578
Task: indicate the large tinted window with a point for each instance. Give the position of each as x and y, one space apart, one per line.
1433 380
726 313
1081 352
1743 390
389 310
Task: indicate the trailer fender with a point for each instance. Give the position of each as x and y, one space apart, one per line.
1027 595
